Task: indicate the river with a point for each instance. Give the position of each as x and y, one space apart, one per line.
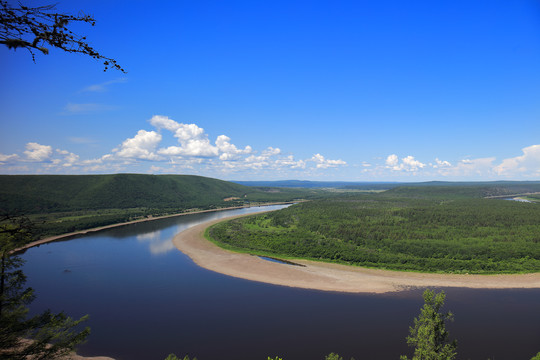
146 299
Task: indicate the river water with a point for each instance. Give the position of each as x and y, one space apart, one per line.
146 300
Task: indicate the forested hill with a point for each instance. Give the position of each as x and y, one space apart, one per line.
29 194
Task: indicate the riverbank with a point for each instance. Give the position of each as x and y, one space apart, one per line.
100 228
328 276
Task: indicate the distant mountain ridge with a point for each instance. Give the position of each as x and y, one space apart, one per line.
480 188
321 184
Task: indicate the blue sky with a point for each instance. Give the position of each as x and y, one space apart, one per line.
317 90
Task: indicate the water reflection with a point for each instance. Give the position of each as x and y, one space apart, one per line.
156 244
158 235
146 301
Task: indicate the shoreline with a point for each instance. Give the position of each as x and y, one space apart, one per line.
111 226
330 276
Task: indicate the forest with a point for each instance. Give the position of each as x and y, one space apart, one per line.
448 229
58 204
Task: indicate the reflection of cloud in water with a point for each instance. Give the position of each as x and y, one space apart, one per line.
157 245
149 236
159 233
162 247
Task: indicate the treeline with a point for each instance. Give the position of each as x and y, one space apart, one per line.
434 233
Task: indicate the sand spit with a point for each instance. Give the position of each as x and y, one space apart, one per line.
328 276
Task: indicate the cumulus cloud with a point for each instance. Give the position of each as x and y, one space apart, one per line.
441 164
411 164
141 146
323 163
290 162
230 151
37 152
69 158
529 163
190 150
408 163
392 160
163 122
193 140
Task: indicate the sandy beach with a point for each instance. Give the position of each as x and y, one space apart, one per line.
328 276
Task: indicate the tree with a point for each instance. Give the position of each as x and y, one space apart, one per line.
174 357
44 336
333 356
41 27
429 335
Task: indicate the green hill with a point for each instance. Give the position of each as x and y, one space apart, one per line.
50 193
64 203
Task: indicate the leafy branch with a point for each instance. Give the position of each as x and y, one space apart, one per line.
38 28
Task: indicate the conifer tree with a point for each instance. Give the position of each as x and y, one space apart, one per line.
44 336
429 335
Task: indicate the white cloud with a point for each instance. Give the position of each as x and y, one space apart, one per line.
103 86
8 158
482 167
190 150
37 152
528 163
163 122
229 151
141 146
411 164
392 160
270 151
69 159
192 147
408 163
291 163
257 162
441 164
193 140
323 163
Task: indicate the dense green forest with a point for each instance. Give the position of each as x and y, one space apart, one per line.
64 203
429 228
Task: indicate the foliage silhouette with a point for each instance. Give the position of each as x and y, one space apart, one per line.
44 336
40 28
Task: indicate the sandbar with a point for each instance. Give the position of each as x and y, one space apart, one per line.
329 276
